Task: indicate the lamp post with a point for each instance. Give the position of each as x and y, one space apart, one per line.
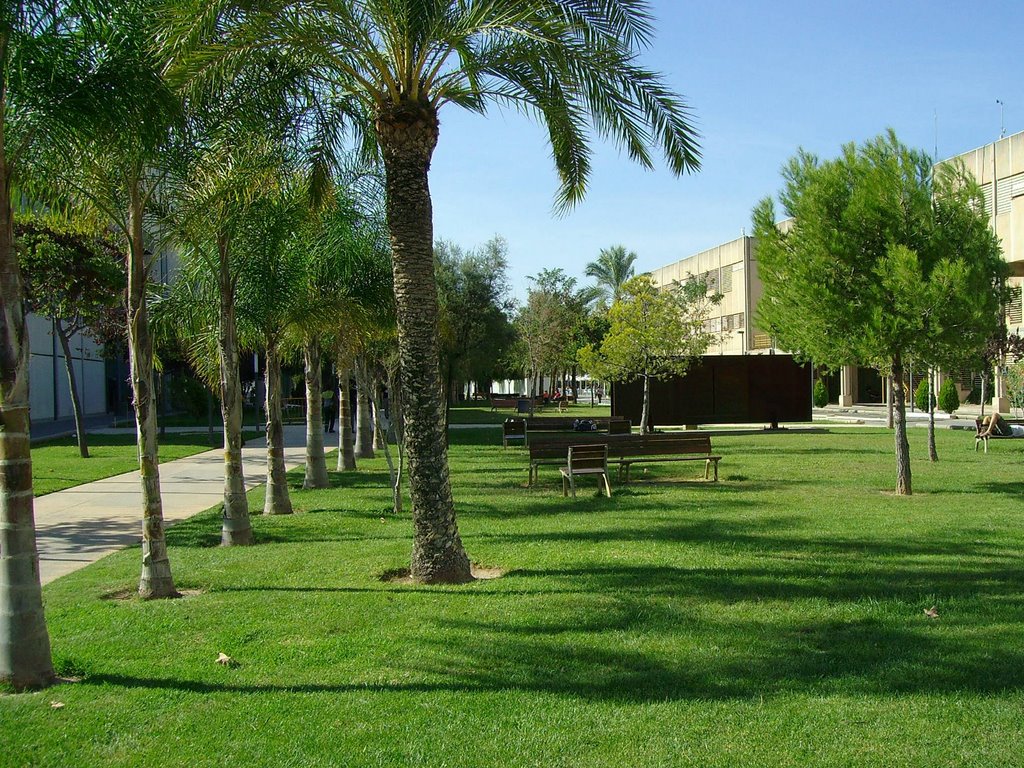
743 346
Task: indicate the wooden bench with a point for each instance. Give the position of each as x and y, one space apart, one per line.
625 450
503 402
585 460
980 427
568 424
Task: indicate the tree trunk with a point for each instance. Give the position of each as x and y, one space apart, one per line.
984 394
236 529
277 501
316 462
407 135
364 421
156 580
889 404
380 425
25 660
645 414
76 403
903 480
380 441
933 454
346 451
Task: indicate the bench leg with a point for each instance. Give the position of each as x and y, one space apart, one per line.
572 484
565 490
707 468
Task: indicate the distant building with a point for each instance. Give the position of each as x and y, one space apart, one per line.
999 168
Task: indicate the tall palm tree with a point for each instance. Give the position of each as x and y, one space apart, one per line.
614 266
571 62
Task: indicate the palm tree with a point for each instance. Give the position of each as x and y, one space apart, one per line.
614 266
568 61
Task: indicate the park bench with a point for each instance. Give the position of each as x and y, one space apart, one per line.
503 402
625 450
568 424
979 427
583 460
512 430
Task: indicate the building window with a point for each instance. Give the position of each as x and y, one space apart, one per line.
1013 307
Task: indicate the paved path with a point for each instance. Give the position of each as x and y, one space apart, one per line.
80 525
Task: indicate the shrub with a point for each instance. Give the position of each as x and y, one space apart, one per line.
921 395
949 397
819 394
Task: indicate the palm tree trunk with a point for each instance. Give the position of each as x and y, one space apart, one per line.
903 479
277 501
984 382
346 452
364 421
407 134
380 441
76 403
156 580
316 462
235 526
25 660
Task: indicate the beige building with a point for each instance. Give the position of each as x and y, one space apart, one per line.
730 269
999 168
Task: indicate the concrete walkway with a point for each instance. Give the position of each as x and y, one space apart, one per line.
80 525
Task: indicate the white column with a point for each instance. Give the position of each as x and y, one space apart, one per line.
1000 399
847 385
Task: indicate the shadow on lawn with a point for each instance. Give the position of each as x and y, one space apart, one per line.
727 659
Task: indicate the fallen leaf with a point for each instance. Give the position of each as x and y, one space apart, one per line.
57 704
931 613
227 661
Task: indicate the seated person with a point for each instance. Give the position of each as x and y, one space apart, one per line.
996 425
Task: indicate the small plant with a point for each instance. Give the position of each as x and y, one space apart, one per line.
921 395
949 397
819 394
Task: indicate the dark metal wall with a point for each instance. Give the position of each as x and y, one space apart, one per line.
730 389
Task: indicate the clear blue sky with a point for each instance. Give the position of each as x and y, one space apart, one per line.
763 79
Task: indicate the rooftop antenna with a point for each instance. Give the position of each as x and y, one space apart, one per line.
1002 125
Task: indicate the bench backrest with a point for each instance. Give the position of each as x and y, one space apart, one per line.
621 446
587 457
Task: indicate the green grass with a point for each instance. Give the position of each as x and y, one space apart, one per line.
56 464
480 413
775 618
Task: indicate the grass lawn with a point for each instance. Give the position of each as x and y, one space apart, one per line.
776 618
56 464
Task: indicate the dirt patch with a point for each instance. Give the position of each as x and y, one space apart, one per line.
479 572
123 595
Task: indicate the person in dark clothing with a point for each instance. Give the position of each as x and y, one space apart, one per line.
330 410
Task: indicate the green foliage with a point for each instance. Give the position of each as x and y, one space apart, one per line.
921 396
189 394
949 397
1015 384
70 273
475 331
653 332
554 323
883 261
614 266
819 395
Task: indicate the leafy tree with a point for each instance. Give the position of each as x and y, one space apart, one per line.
611 270
655 332
820 394
921 395
885 262
473 323
398 63
949 398
75 277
